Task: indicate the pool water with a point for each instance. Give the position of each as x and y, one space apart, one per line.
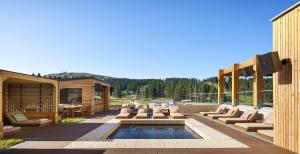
154 132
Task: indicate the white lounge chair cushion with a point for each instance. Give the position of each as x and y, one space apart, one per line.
158 115
176 115
124 110
141 115
269 133
123 115
253 125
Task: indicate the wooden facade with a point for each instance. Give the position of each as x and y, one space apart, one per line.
37 97
286 86
234 71
87 87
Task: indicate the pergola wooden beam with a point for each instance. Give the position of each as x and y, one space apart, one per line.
1 107
235 84
234 72
257 83
221 86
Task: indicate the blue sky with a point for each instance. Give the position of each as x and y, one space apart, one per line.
134 38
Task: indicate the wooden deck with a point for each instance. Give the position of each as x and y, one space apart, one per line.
70 132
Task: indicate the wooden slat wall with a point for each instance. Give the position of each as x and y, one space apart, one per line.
286 86
18 97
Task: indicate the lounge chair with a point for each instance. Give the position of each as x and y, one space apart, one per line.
19 119
174 113
248 116
220 110
157 113
142 114
266 134
9 130
233 112
153 105
124 114
253 127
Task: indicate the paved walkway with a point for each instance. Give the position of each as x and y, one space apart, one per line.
58 136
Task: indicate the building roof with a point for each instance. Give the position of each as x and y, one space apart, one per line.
22 76
285 11
84 78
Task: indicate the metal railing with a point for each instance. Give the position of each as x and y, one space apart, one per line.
202 97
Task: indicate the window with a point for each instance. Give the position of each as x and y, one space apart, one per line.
71 95
98 91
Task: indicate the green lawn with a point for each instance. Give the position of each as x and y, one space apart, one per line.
6 143
73 120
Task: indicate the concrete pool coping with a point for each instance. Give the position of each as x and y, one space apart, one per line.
96 139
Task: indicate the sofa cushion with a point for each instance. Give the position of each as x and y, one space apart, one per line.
19 117
246 115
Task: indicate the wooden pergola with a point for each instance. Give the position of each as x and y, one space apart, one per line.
234 72
36 97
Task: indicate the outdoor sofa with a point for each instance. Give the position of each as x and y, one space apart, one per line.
267 123
220 110
19 119
233 112
249 115
174 113
124 114
157 113
141 114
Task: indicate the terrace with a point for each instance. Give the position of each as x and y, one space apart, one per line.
166 127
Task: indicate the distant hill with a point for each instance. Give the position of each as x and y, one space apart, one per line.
170 87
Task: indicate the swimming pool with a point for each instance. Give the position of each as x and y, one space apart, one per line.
138 131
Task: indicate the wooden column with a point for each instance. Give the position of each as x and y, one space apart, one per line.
55 102
257 84
235 84
1 107
104 97
221 86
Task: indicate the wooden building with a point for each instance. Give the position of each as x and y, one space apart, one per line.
36 97
286 84
89 92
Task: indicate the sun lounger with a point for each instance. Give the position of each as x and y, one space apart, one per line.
233 112
174 113
266 134
253 127
248 116
9 130
220 110
142 114
157 113
19 119
124 114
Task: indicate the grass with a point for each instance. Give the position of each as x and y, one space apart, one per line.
73 120
6 143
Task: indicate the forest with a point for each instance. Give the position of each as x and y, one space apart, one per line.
175 88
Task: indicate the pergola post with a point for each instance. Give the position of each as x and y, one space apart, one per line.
1 107
257 84
235 84
55 102
104 95
221 86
